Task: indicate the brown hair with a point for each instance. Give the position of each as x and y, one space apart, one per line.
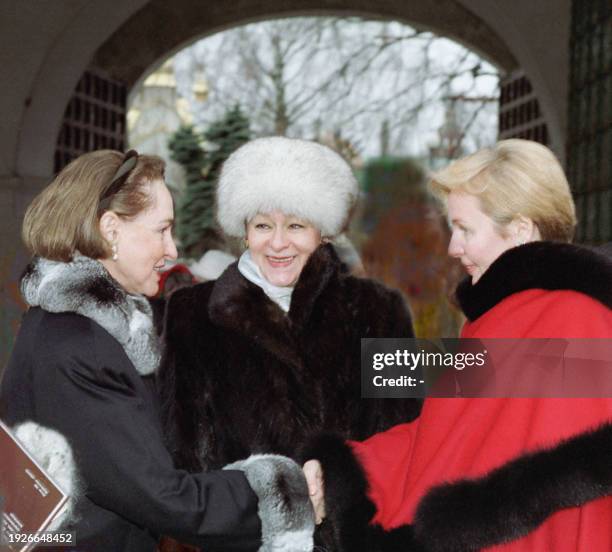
65 216
514 178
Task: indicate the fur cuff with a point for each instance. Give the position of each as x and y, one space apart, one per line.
287 518
53 453
348 508
515 499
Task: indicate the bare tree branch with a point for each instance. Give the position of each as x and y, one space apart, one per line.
303 75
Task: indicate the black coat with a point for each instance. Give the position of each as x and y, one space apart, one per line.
240 376
69 374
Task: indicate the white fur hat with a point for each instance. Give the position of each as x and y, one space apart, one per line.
297 177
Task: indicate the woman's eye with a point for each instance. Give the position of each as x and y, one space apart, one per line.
262 226
296 226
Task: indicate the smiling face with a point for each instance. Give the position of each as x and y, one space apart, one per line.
476 240
280 246
143 243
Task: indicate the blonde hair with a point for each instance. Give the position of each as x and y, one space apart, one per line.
514 178
65 216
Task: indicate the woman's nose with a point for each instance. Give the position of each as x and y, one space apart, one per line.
279 239
170 248
455 248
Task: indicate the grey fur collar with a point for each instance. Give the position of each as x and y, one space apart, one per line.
85 287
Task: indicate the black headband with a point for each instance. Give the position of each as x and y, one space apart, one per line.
129 162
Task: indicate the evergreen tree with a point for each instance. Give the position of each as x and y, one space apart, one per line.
202 158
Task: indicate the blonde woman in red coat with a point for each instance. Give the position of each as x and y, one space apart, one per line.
503 474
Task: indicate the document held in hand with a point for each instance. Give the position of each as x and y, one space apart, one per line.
29 499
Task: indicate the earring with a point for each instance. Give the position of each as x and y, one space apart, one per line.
245 243
115 255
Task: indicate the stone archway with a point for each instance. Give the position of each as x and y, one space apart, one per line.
184 21
137 39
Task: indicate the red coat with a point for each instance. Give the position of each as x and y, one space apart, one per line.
564 292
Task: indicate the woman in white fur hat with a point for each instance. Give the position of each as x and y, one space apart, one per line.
268 355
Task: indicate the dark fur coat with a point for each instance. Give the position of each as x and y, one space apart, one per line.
240 376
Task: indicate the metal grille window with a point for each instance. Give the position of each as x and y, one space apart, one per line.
519 110
94 118
589 147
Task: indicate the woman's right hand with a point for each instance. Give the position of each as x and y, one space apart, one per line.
314 477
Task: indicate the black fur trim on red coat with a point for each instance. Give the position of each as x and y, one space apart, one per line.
538 265
348 509
469 514
516 498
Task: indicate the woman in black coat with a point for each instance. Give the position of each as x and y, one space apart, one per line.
268 355
75 390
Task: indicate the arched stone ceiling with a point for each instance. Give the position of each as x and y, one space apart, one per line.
129 38
161 27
